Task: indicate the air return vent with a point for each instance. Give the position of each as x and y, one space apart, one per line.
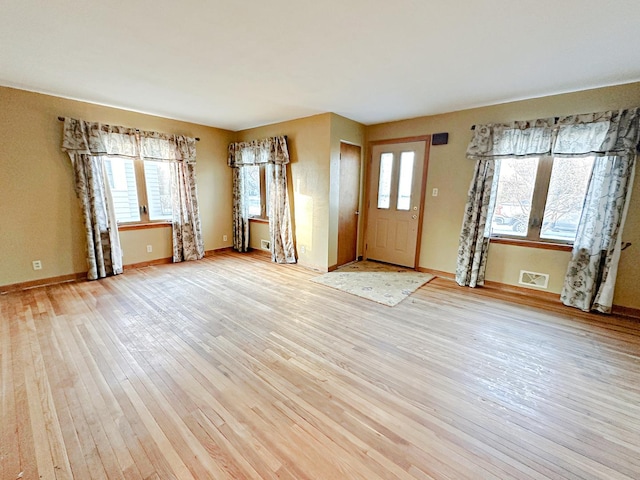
533 279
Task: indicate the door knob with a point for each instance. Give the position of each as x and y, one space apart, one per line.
357 212
414 216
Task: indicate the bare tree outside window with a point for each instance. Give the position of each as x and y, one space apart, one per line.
515 191
567 189
540 199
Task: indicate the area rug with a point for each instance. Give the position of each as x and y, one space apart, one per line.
380 282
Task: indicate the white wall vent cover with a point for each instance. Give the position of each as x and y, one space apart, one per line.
533 279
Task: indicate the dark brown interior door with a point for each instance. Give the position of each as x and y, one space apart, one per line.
349 202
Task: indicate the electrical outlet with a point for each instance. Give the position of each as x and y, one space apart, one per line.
265 244
303 249
149 249
37 265
224 238
434 192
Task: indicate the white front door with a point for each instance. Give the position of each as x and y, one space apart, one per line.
395 197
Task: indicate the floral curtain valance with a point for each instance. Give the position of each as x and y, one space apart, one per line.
167 148
601 134
267 150
605 133
92 138
517 139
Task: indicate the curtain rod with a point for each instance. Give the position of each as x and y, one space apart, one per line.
137 130
473 127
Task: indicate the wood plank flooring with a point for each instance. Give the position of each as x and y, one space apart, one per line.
233 367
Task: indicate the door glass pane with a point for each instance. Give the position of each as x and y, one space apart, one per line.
157 176
567 188
122 180
384 182
517 178
252 189
405 180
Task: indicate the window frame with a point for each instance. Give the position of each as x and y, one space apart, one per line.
536 215
143 199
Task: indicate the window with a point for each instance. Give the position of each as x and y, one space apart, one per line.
141 190
384 184
540 199
257 189
404 180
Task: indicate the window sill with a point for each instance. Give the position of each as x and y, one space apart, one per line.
259 220
142 226
532 244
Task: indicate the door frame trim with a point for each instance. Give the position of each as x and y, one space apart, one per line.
369 163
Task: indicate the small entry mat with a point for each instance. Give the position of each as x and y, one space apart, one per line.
380 282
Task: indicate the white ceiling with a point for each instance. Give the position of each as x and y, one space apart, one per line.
236 64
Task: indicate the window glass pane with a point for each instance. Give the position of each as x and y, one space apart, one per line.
157 176
567 188
405 180
517 177
122 180
384 182
252 189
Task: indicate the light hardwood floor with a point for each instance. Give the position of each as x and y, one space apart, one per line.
233 367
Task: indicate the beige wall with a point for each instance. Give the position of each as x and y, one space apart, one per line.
40 216
451 172
309 145
258 231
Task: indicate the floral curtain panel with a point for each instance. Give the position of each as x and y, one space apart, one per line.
280 232
188 243
476 226
87 143
272 150
104 255
240 211
613 137
591 275
180 152
610 136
